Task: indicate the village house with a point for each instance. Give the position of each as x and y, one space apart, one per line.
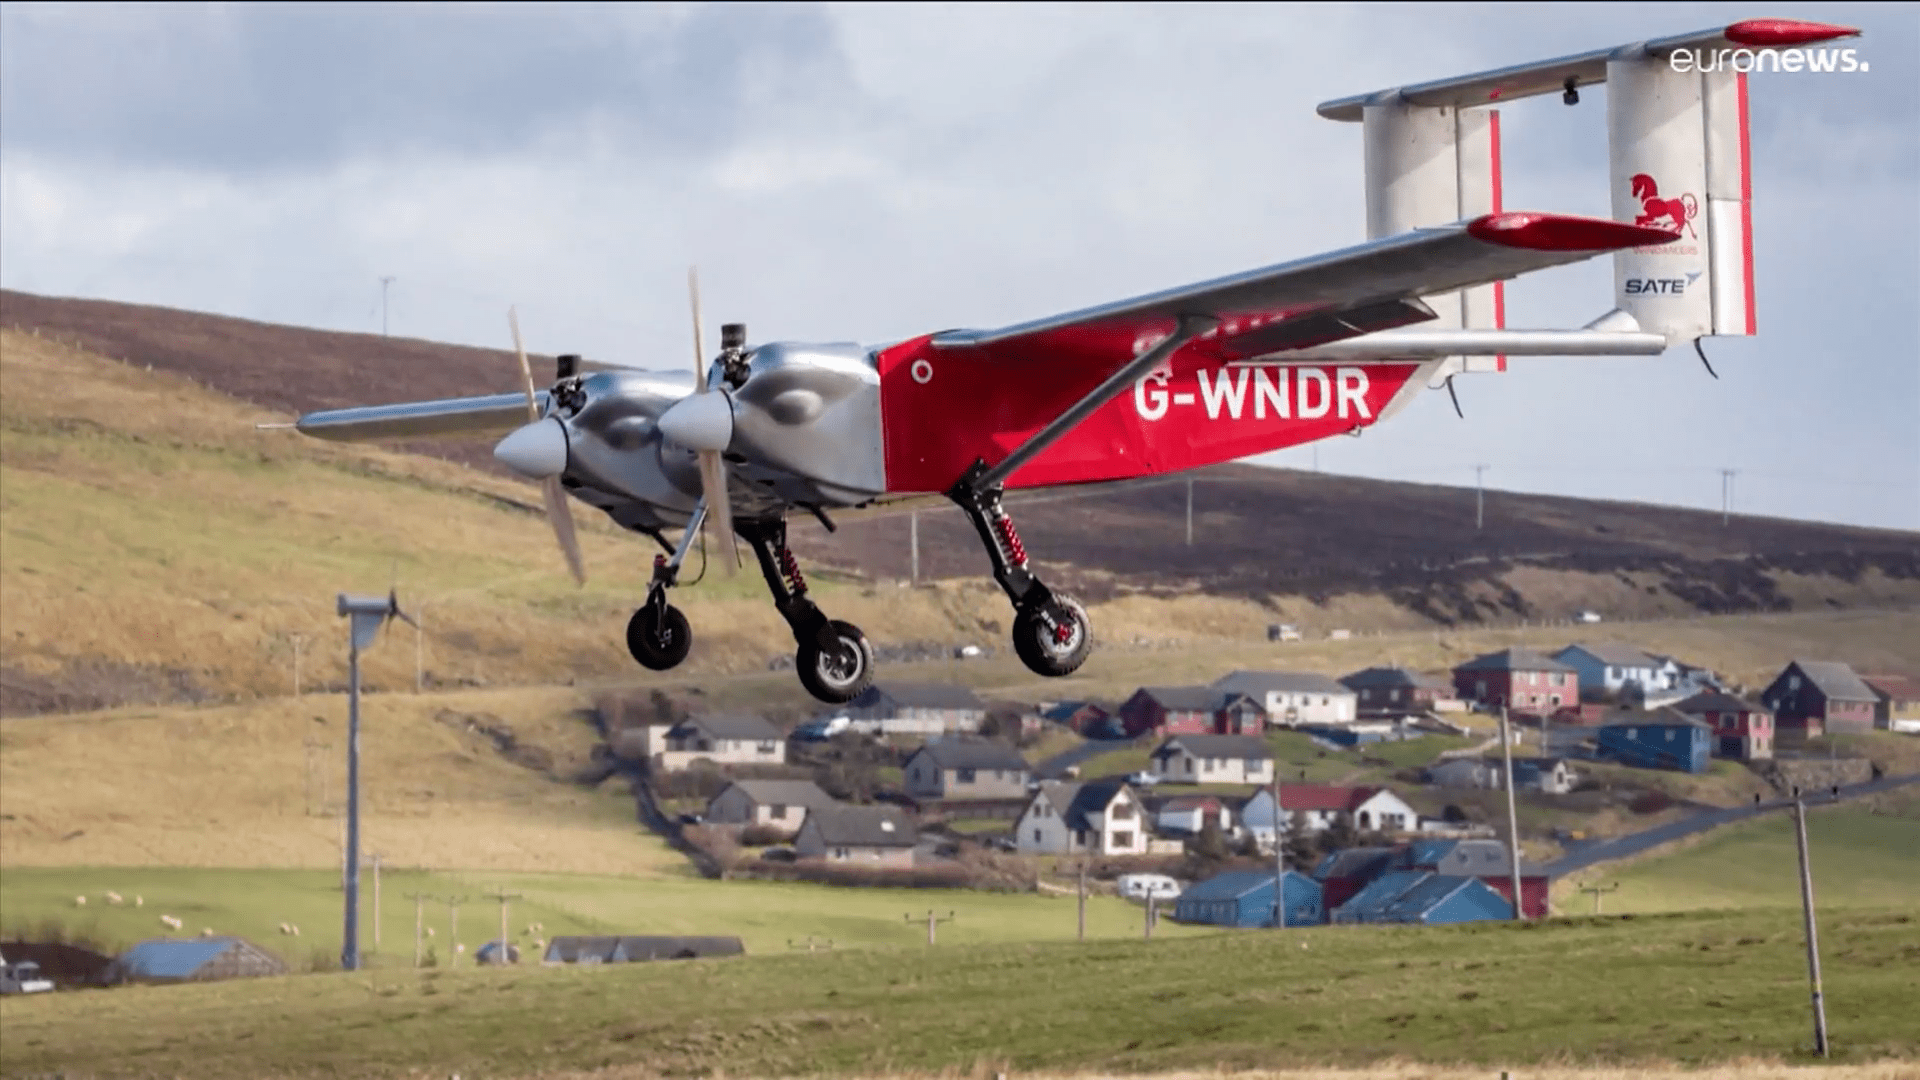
1607 671
170 960
1291 698
724 739
1245 898
1663 738
1318 806
1521 679
1817 697
1897 704
1188 815
1099 817
863 835
1488 860
1742 731
1213 759
1083 718
966 769
915 709
770 804
1169 710
1392 691
1344 873
1420 896
1549 776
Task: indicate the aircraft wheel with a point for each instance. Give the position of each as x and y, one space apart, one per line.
1053 651
837 678
659 643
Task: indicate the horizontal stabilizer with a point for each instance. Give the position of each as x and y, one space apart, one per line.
1584 69
1423 344
496 414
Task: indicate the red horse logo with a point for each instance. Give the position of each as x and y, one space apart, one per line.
1675 214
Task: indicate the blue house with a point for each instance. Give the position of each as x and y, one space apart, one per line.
1607 670
1419 896
1246 899
1664 738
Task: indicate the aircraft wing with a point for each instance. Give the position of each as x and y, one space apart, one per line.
495 414
1312 301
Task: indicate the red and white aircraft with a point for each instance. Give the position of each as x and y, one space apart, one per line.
1193 376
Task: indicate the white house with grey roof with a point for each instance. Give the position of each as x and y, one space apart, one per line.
859 835
770 804
722 738
1609 670
1292 698
966 769
1213 759
1098 817
915 709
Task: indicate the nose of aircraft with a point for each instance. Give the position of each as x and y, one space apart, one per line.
536 451
700 421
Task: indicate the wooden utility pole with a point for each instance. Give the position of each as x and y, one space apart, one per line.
932 921
1513 818
419 647
299 643
913 544
419 924
376 903
1152 914
1813 940
503 897
453 927
1597 892
1083 899
1279 855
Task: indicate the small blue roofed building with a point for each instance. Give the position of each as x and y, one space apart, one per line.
1420 896
1664 738
1245 898
193 960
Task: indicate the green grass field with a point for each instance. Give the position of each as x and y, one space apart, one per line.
1859 858
765 915
1694 989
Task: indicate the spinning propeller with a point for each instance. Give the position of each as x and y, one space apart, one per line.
703 422
539 451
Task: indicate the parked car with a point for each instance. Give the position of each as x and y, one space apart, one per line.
1143 886
490 953
821 730
1283 632
1143 779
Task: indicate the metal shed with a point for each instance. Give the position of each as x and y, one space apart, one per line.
194 960
1246 899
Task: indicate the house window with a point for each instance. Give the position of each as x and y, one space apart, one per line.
1123 839
777 813
1123 811
966 776
842 853
769 747
1036 836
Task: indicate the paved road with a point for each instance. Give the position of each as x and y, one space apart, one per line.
1056 766
1633 844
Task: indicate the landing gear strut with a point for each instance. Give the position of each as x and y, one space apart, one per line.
834 661
658 635
1050 630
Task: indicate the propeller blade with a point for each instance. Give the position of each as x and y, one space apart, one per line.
699 350
713 488
526 370
561 517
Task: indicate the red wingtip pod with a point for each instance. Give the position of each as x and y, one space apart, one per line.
1561 232
1760 33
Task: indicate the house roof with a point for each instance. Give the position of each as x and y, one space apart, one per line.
1425 895
609 948
862 826
1182 803
1353 863
1427 853
1714 701
731 725
1066 710
1075 801
165 959
922 696
1183 698
1894 687
1480 858
1259 684
1513 660
1612 654
1836 680
1391 677
1372 900
1664 716
1234 885
785 793
1324 796
973 754
1249 747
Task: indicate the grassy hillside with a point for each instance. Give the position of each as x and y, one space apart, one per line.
1622 991
1861 856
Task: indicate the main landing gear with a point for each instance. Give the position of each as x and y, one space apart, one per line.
834 660
1050 630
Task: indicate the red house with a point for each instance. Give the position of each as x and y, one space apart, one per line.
1170 710
1814 697
1489 861
1520 679
1742 730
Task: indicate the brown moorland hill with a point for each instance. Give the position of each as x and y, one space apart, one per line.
1259 532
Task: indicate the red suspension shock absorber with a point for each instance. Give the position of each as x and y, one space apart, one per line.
1003 525
790 569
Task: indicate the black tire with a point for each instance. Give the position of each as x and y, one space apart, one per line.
659 647
1043 650
837 680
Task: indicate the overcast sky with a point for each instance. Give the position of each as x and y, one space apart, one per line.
870 172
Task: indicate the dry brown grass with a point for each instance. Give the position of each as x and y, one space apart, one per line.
235 786
1754 1069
